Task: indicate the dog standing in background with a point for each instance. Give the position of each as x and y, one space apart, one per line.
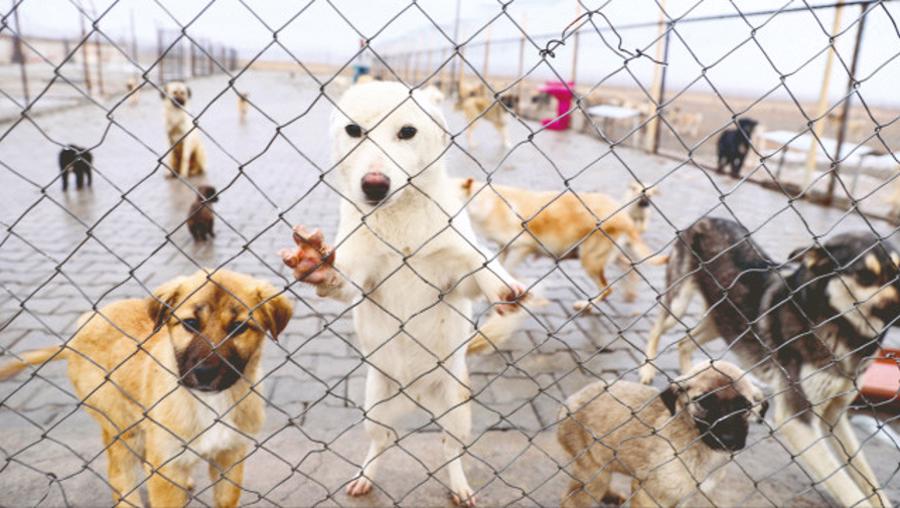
809 331
411 278
187 157
172 379
78 160
668 441
559 225
476 105
243 106
200 217
733 146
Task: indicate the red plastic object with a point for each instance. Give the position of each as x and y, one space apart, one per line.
881 381
563 97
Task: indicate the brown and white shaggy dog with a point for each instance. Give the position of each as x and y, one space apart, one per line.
187 156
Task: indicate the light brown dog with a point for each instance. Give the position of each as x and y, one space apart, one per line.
559 225
173 378
476 105
666 441
187 156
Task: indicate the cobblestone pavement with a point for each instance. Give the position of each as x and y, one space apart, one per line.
66 252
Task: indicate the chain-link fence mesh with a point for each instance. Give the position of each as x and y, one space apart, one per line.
551 197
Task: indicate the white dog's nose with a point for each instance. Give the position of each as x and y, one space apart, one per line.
375 186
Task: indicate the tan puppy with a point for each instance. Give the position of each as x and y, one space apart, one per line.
188 356
187 156
666 442
475 104
562 226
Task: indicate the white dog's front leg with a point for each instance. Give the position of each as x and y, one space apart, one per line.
184 165
382 406
451 404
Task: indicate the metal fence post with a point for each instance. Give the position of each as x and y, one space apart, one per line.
159 55
99 64
845 108
84 56
19 55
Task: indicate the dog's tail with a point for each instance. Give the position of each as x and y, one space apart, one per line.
642 250
33 357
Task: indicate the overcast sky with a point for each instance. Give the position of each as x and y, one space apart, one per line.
320 34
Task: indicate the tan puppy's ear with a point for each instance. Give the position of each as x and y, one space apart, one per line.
275 313
163 300
163 91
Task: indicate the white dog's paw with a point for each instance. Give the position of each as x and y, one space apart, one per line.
359 487
646 373
464 497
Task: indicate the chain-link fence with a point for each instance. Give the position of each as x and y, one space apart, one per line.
514 231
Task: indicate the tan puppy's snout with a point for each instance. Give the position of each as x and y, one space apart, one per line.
375 186
209 370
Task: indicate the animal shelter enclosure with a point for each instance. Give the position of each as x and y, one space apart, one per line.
272 133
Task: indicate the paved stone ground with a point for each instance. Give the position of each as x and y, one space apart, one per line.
65 252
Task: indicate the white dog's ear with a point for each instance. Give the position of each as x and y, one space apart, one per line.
434 111
164 91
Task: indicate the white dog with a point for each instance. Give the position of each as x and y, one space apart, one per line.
410 270
187 158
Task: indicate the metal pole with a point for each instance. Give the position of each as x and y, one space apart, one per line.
575 49
159 55
521 70
845 109
17 48
661 96
134 45
818 128
97 42
84 55
487 53
456 57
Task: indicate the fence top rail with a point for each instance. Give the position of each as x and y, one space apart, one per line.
651 24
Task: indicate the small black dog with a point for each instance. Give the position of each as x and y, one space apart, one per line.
75 159
200 217
733 146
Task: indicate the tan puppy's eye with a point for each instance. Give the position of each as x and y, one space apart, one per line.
407 132
191 324
236 328
353 130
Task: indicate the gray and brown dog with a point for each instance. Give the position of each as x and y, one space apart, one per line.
173 379
808 327
665 441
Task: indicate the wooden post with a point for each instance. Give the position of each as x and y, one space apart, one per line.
845 109
427 62
159 55
98 48
818 127
20 55
661 92
462 69
656 84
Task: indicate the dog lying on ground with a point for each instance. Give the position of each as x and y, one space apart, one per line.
187 156
559 225
77 160
809 331
200 217
475 104
666 442
733 146
412 278
173 378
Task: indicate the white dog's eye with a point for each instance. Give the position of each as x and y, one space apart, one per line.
353 130
407 132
